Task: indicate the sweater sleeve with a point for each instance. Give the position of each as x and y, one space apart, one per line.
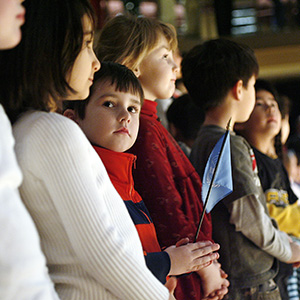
159 264
249 217
172 199
247 204
23 272
92 213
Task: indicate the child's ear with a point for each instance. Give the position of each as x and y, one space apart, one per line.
137 72
70 113
237 90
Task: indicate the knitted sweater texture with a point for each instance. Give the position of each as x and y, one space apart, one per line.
171 190
23 272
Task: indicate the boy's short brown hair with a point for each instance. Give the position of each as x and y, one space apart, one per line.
211 69
128 39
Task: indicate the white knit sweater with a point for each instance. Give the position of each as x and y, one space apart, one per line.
23 272
92 248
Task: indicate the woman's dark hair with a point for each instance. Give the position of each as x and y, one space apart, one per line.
35 71
114 73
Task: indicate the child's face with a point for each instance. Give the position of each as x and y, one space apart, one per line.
86 64
111 118
266 117
12 17
157 72
248 96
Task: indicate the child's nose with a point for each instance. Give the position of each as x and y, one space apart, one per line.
175 67
96 63
270 108
124 116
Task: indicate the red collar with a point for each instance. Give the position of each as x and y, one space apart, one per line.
149 108
119 168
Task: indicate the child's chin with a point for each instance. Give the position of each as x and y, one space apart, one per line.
168 96
120 149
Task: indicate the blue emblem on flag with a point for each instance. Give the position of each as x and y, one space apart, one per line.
217 178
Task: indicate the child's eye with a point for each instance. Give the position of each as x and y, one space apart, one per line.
108 104
133 109
165 56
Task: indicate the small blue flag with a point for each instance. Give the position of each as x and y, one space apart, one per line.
217 179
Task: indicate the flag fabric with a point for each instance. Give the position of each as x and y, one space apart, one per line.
217 179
